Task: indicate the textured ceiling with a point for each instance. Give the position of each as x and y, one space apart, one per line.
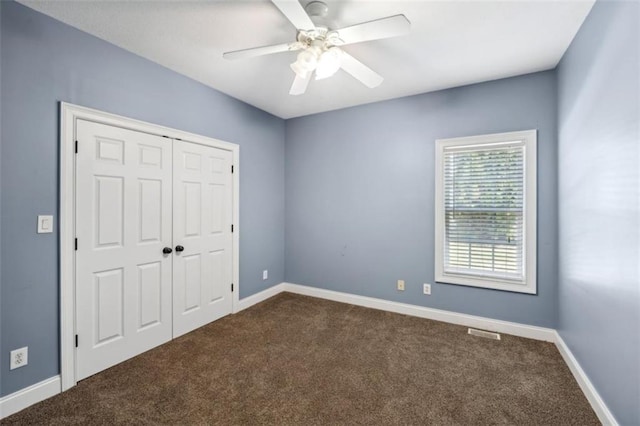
452 43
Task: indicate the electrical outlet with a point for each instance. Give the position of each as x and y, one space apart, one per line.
401 285
19 358
426 288
265 274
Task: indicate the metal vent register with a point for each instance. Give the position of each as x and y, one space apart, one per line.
485 334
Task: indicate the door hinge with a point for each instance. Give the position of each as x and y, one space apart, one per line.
76 244
231 227
231 287
76 147
231 167
76 340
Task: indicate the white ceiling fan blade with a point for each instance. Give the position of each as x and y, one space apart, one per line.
392 26
360 71
295 13
263 50
299 85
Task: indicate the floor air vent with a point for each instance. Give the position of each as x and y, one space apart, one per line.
485 334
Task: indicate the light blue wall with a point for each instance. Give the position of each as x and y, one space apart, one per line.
360 194
599 196
359 186
45 62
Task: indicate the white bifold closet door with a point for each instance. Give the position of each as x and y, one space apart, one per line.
123 222
138 195
202 211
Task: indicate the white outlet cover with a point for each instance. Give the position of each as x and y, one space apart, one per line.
401 285
19 358
426 288
265 274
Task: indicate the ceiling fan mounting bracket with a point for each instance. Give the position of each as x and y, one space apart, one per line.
317 9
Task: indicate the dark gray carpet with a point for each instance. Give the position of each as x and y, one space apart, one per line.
299 360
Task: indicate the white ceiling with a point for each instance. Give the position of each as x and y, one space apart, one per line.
452 43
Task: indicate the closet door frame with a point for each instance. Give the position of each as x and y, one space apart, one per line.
69 115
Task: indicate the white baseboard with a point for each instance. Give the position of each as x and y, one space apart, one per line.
23 398
602 411
515 329
260 297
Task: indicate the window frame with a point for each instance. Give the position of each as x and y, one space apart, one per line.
529 284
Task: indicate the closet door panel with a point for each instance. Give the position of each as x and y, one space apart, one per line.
202 227
123 222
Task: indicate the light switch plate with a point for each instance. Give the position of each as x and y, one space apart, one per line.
45 224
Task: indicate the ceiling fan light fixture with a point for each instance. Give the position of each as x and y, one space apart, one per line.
328 63
306 62
299 69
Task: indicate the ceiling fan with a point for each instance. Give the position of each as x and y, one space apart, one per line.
319 45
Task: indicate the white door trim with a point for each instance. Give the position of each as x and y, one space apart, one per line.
69 114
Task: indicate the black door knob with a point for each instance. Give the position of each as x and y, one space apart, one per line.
179 249
167 250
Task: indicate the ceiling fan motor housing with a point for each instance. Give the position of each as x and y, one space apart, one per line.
321 37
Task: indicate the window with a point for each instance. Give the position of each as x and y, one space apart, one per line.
486 211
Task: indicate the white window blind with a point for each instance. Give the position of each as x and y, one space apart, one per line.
485 211
484 202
